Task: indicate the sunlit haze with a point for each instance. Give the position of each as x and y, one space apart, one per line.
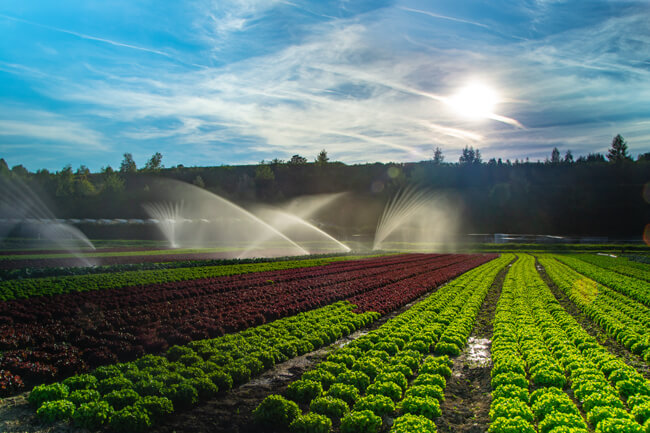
475 101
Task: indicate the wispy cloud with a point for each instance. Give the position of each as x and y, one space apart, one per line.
87 37
444 17
349 85
41 127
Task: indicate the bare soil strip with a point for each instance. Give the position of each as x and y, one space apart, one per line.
467 397
593 329
231 413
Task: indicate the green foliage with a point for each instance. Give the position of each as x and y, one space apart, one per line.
428 391
448 349
430 379
240 373
122 398
222 380
116 383
426 407
333 408
418 346
369 366
511 391
342 358
81 381
641 412
618 425
548 377
156 407
55 410
190 359
360 422
304 391
92 415
435 368
310 423
275 412
597 414
389 389
410 423
204 387
175 353
380 405
509 379
511 425
81 396
325 378
149 387
130 420
554 420
183 395
357 379
510 408
552 403
43 393
347 393
395 377
335 368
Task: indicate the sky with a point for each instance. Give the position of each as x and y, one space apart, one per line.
239 81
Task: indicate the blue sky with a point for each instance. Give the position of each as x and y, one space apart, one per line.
235 82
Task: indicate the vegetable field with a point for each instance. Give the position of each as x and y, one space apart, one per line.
499 343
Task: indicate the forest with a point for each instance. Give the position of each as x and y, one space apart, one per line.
594 195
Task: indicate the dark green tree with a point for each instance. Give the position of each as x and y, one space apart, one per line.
297 160
4 168
643 157
555 156
568 157
154 163
128 164
438 157
618 152
65 182
322 158
19 171
470 156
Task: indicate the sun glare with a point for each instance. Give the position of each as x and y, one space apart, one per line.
475 101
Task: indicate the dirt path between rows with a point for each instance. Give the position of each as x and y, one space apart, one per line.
467 397
593 329
232 412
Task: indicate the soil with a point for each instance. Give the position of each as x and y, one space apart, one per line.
593 329
231 413
17 416
468 394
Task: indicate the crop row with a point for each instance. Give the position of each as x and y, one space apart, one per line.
363 385
25 288
40 272
133 395
605 386
621 317
633 287
69 336
619 265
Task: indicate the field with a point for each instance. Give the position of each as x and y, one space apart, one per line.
512 339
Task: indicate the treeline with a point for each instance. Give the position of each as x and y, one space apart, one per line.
603 195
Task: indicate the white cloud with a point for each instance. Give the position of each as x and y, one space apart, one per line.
345 89
51 128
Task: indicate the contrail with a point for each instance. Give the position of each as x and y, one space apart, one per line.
444 17
83 36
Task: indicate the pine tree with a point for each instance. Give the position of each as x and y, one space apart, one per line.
618 152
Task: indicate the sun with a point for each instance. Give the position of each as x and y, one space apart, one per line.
475 101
